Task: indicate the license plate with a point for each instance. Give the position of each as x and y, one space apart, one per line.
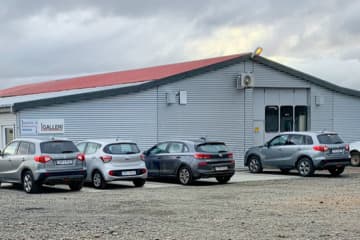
64 162
128 173
221 168
337 151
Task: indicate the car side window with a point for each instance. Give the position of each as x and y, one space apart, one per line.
158 149
24 148
11 148
176 147
91 148
296 140
279 140
81 147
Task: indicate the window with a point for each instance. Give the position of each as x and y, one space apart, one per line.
26 148
160 148
57 147
176 147
9 135
91 148
286 118
271 118
81 147
300 118
122 148
279 140
300 140
329 139
212 147
11 148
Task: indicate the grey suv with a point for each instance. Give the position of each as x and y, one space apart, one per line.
304 151
33 162
190 160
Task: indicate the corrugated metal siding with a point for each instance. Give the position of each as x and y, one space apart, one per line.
130 116
346 117
6 120
215 109
268 77
322 115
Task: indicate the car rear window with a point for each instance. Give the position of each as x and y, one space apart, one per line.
329 139
121 148
212 147
57 147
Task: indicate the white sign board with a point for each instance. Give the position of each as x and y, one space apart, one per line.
33 127
50 126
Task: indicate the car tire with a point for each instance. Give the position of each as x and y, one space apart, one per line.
29 184
254 164
98 180
76 186
223 179
139 182
355 159
305 167
336 171
185 175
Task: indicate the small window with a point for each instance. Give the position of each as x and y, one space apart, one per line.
271 118
81 147
212 147
11 148
286 118
31 148
300 140
122 148
91 148
301 118
158 149
176 148
329 139
23 148
58 147
279 140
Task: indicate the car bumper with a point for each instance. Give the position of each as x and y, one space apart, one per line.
213 173
323 164
62 177
118 175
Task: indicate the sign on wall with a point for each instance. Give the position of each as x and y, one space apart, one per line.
33 127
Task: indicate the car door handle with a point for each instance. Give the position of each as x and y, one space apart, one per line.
177 157
23 159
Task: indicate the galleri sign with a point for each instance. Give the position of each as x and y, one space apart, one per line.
31 127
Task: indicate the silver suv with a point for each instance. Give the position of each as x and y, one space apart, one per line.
113 160
304 151
33 162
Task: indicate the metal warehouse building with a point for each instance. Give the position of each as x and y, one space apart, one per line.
241 99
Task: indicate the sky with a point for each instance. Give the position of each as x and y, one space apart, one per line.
45 40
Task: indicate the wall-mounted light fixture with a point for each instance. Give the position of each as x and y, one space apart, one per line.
257 52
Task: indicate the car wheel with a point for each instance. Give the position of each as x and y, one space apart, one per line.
305 167
185 176
98 180
285 170
139 182
29 185
76 186
336 171
355 159
223 179
255 165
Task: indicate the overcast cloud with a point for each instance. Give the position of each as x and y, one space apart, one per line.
43 40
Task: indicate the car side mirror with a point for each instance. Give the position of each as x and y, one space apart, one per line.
267 144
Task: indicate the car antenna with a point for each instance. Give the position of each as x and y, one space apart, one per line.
203 139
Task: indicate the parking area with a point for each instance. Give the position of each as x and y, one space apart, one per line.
252 206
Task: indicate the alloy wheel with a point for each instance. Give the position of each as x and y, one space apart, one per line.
97 180
184 176
27 183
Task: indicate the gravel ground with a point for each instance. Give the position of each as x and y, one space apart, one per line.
319 207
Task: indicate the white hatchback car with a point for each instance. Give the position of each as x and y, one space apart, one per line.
113 160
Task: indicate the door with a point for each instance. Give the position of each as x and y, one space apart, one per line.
5 161
274 152
153 157
7 135
25 151
170 162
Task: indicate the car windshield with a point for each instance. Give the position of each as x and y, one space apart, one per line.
212 147
58 147
329 139
122 148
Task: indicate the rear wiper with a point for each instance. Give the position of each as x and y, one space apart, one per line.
130 152
222 151
67 151
338 142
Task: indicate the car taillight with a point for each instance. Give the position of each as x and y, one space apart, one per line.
143 170
80 157
202 164
230 155
106 158
42 158
202 156
320 148
142 157
347 147
111 173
